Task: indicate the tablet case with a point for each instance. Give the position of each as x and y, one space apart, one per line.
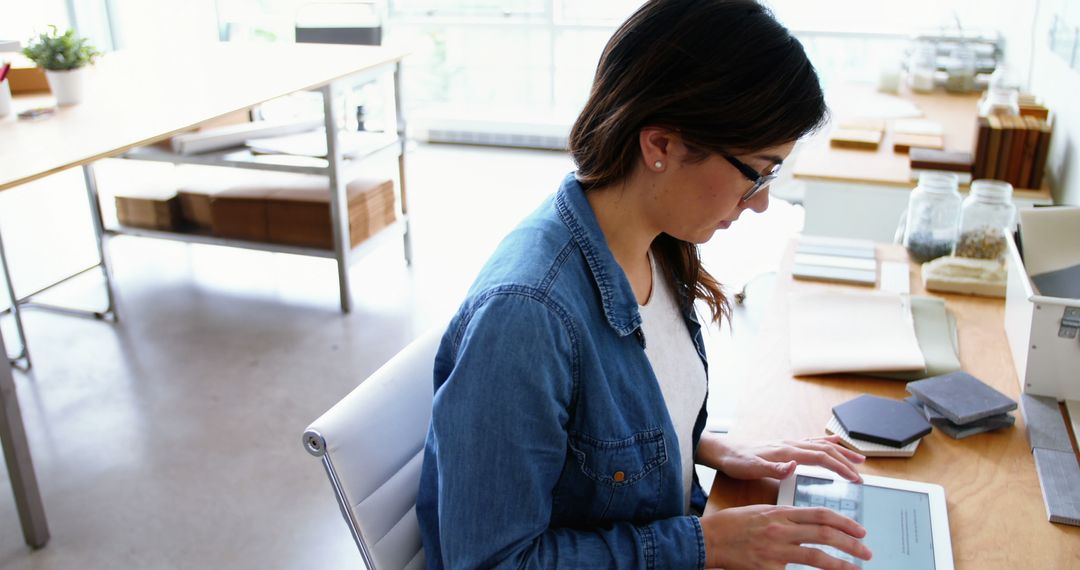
957 431
961 397
881 420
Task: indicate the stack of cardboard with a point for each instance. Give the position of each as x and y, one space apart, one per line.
1013 149
301 215
289 209
155 210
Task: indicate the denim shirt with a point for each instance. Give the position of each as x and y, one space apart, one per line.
550 444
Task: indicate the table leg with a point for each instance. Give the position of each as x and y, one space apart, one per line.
20 467
24 352
339 206
399 110
99 236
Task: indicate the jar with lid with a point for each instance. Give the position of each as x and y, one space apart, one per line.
1001 102
932 214
986 214
922 67
960 70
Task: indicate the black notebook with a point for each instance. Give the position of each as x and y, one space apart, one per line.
961 397
889 422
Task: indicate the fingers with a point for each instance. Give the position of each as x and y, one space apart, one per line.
829 536
853 456
827 456
814 558
822 516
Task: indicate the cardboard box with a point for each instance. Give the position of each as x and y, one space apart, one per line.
25 76
301 215
1043 330
240 213
151 212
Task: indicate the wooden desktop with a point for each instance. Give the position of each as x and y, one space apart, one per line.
996 511
877 183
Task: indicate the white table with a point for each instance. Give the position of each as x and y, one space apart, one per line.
136 99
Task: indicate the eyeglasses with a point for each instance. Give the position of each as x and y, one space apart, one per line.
760 180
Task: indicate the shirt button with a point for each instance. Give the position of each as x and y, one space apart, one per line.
619 476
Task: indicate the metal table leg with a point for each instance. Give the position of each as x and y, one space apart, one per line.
400 111
21 360
20 467
339 206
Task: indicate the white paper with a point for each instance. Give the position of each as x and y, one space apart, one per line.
852 331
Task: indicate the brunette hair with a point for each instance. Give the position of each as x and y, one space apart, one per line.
723 73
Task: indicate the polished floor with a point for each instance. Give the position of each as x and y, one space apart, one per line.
172 438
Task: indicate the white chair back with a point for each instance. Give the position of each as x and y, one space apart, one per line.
372 445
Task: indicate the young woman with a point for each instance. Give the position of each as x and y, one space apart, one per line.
570 386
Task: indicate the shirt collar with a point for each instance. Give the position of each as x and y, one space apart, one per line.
616 295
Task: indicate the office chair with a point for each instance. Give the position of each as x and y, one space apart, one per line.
372 445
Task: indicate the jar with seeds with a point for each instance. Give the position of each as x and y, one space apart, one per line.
986 214
933 209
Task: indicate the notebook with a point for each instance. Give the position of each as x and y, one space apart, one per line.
835 331
961 397
935 330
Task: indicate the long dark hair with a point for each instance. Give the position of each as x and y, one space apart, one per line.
724 73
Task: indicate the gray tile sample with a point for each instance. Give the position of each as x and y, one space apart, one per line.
1045 425
957 431
961 397
1059 476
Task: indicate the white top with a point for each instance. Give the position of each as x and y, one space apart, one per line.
677 366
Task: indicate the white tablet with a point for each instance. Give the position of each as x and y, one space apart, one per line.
907 523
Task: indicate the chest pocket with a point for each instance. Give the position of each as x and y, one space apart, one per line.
625 473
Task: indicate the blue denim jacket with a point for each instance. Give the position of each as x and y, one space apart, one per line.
550 444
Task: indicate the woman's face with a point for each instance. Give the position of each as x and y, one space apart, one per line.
696 198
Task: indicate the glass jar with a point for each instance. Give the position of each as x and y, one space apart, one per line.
922 67
933 210
960 68
1001 102
986 214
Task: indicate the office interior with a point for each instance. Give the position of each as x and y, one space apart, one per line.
168 433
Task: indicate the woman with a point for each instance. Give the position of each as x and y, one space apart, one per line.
570 386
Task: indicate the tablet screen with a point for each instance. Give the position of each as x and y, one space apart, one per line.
897 522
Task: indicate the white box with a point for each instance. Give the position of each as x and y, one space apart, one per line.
1045 348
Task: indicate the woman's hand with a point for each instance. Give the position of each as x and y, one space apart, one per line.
778 460
770 536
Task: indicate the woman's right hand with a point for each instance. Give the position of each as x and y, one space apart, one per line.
771 536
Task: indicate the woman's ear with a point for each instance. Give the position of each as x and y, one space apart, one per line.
657 146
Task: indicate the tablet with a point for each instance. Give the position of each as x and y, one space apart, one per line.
907 523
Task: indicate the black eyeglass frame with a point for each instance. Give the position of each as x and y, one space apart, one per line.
760 180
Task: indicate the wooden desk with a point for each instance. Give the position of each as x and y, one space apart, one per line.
996 511
135 99
877 183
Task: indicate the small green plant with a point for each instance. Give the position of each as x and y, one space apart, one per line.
60 52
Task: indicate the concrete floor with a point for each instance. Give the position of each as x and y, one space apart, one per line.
172 438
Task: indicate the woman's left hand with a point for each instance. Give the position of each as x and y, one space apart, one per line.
778 460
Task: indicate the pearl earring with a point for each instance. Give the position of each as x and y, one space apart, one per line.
659 165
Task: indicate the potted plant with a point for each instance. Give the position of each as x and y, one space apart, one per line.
65 58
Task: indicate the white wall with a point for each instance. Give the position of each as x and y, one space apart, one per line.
164 24
1059 87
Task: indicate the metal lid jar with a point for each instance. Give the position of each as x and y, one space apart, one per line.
986 214
933 210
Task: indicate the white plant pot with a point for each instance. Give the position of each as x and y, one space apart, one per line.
67 86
